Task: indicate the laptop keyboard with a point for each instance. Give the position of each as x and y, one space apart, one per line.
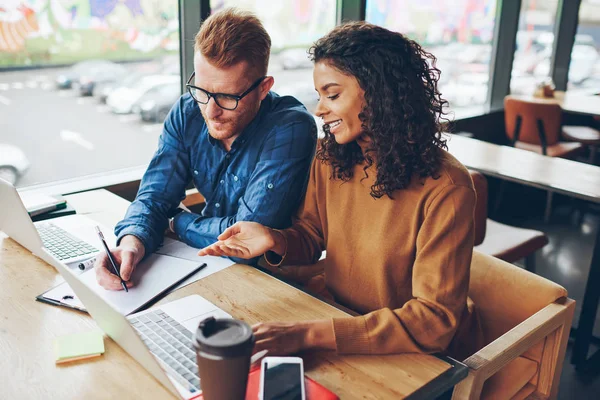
62 244
171 343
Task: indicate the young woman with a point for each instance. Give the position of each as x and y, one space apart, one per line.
392 208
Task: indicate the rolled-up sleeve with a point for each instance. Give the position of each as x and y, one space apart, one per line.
162 186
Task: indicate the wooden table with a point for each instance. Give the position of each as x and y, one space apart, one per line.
576 103
559 175
28 329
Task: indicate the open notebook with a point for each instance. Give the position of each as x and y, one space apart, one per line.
152 277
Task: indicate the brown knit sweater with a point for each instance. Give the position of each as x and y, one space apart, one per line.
402 262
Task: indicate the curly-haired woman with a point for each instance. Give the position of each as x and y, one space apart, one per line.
392 208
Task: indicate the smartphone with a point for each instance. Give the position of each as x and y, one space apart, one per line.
282 378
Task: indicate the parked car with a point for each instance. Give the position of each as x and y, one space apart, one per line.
295 59
100 73
467 90
103 90
65 79
121 100
155 105
168 65
13 163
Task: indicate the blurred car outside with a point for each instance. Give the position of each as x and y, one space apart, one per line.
163 66
13 163
122 99
154 105
101 73
296 58
65 79
467 90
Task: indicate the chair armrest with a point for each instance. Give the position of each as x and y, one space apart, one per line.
553 322
518 340
192 198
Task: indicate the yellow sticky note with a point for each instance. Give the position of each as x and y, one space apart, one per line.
78 346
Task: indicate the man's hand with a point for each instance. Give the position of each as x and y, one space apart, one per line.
127 255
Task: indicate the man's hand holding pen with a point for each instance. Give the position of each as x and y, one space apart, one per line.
127 255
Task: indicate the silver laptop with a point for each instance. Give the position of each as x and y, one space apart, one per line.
70 238
160 339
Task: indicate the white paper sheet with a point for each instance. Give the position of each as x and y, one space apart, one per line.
151 278
179 249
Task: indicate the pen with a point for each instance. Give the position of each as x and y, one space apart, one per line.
110 258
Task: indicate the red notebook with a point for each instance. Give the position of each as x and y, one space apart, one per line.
314 391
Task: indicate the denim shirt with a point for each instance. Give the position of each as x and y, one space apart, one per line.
262 178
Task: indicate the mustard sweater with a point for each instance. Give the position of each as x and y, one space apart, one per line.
402 262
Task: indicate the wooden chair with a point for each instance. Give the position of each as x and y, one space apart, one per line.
536 125
526 321
508 243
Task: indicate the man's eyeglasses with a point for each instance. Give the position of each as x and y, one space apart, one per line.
223 100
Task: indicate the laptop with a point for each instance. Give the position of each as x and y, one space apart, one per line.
69 238
159 339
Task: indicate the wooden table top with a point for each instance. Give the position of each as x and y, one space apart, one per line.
549 173
573 102
28 329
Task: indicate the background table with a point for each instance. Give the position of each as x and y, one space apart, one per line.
559 175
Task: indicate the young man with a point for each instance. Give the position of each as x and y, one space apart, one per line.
247 150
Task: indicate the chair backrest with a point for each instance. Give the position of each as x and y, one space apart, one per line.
530 112
506 295
480 214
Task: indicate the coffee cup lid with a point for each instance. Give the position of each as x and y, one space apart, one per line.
224 337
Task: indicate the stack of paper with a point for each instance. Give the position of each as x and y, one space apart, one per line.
40 203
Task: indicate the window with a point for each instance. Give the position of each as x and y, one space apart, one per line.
584 69
294 25
533 52
459 33
74 77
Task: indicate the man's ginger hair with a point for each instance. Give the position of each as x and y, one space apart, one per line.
231 36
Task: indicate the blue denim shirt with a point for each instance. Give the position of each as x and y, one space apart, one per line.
262 178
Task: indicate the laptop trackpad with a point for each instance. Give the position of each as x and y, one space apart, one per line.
190 310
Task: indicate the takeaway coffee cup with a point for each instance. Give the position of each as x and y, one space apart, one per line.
223 350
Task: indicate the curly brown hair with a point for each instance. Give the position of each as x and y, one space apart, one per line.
403 113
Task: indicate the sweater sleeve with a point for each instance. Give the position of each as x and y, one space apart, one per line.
440 283
305 240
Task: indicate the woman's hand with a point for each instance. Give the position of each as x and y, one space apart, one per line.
284 338
243 240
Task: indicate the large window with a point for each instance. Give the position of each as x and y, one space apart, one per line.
293 26
534 42
584 70
79 80
459 33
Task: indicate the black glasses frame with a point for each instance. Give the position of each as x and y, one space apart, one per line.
216 96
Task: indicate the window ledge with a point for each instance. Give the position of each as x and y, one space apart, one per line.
88 182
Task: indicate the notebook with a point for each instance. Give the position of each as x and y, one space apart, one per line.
152 277
37 204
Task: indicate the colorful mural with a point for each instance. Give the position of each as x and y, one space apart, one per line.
46 32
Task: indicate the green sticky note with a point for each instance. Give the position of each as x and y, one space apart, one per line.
78 346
